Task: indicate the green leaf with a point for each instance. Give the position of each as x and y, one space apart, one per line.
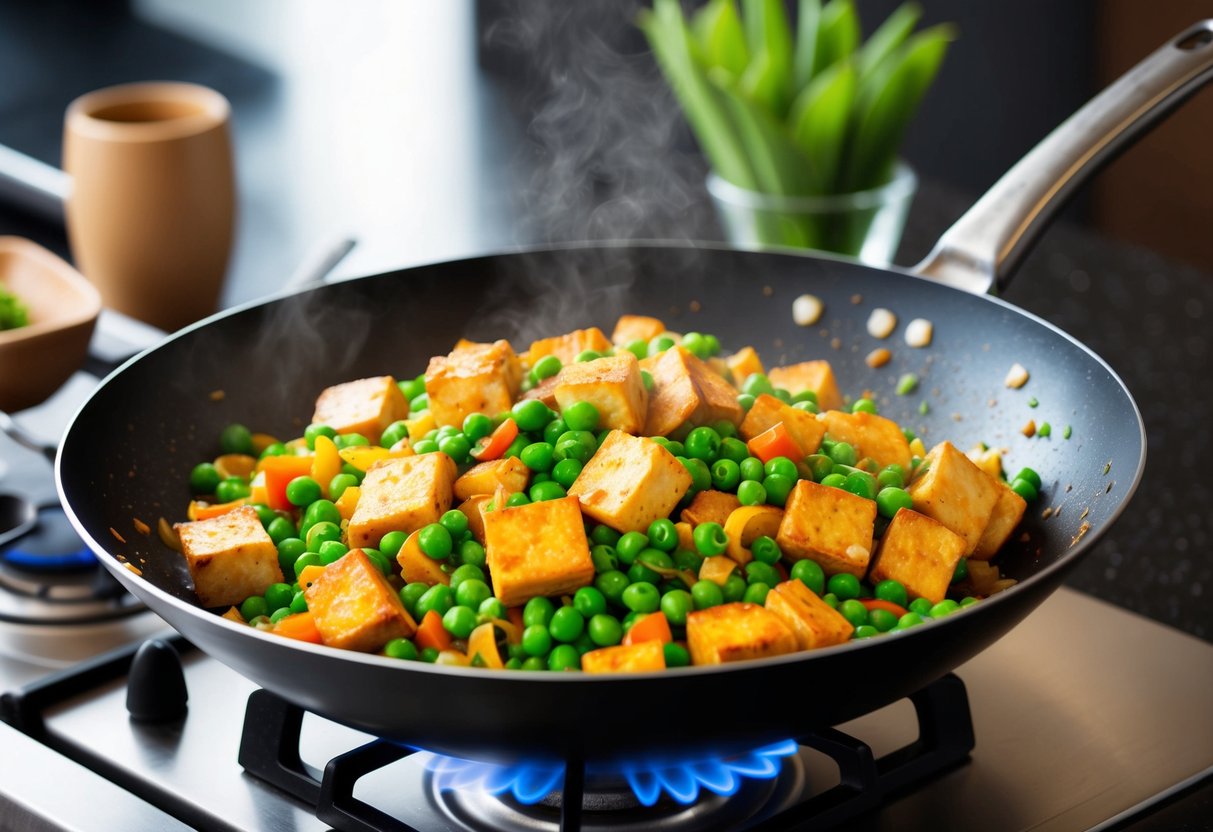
887 103
837 34
891 34
701 102
820 118
768 78
779 166
718 28
808 19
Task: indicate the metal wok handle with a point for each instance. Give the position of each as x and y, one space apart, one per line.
984 247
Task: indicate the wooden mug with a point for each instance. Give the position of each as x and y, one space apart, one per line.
151 211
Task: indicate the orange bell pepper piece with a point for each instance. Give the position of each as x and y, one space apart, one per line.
301 626
498 442
775 441
431 633
483 642
280 470
881 604
653 627
205 511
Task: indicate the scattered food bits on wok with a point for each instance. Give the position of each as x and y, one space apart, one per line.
881 323
807 309
625 505
919 333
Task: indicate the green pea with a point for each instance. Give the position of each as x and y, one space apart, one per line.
567 624
783 395
400 648
278 595
922 606
751 468
380 561
564 657
438 598
882 620
204 479
454 521
732 448
391 542
756 593
703 443
675 605
425 446
967 601
393 433
605 630
537 456
854 611
566 471
641 596
279 614
910 619
660 344
863 406
302 490
466 572
676 655
733 589
843 453
321 533
541 491
553 430
299 602
581 416
536 640
961 571
756 384
892 499
456 447
339 483
280 529
688 559
265 514
531 415
1024 488
350 440
891 476
472 593
745 401
861 484
675 447
236 439
471 553
726 475
696 345
766 550
517 499
546 367
831 600
612 584
429 655
638 572
891 591
254 606
662 535
630 545
807 407
435 541
312 431
844 585
781 466
865 631
710 539
751 493
944 608
646 378
232 488
757 572
538 610
289 551
331 551
706 594
604 535
410 593
459 621
834 480
778 487
638 347
820 466
809 573
604 558
701 477
589 602
305 560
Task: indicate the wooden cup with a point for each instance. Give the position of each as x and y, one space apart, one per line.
152 206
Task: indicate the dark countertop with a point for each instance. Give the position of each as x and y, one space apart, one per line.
1148 317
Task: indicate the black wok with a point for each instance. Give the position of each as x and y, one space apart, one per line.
129 450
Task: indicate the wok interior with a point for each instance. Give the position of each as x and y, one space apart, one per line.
129 452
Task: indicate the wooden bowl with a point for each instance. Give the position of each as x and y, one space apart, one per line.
35 360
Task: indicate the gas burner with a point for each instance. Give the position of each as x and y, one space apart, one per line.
50 577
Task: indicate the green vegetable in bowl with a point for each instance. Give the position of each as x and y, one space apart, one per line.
13 313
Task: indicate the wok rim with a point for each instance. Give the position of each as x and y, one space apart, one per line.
122 570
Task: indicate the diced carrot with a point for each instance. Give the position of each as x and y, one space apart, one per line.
300 625
774 441
498 441
310 574
431 633
483 642
205 511
653 627
881 604
280 470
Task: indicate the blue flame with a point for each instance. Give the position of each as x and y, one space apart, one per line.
680 778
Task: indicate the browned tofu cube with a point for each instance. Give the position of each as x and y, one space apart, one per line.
1007 513
919 552
484 477
828 525
630 482
365 406
477 378
817 376
954 491
354 606
769 411
568 346
814 622
402 494
743 364
631 328
230 557
735 632
710 506
625 658
537 549
613 385
686 391
871 435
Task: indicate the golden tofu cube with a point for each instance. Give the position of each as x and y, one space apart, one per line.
743 364
814 622
630 482
484 477
735 632
710 506
686 391
365 406
871 435
613 385
568 346
625 658
402 495
631 328
477 378
804 428
828 525
954 491
230 557
537 549
354 606
1008 511
817 376
919 552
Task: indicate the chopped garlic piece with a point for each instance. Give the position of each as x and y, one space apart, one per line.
878 357
806 310
881 323
919 332
1017 376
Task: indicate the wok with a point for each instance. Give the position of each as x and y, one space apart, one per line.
128 452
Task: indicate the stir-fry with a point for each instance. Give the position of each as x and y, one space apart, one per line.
606 505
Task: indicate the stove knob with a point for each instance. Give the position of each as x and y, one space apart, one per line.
155 688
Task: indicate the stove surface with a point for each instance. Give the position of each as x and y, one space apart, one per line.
1084 714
